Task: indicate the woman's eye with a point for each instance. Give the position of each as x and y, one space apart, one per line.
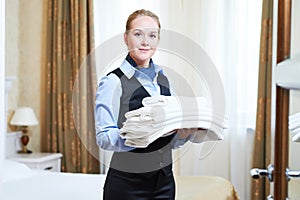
137 34
153 36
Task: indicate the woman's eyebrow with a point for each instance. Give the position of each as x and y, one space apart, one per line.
143 29
137 29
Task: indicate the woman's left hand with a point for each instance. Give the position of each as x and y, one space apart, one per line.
185 132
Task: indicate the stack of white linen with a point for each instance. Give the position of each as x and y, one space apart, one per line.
163 115
294 126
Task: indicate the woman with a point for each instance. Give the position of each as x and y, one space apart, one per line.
136 173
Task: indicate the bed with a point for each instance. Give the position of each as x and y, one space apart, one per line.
21 182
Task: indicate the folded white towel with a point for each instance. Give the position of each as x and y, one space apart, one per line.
296 138
174 101
294 121
148 129
140 129
163 114
144 135
294 118
294 126
212 134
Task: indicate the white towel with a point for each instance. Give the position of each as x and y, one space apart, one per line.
294 121
163 114
161 100
137 130
296 138
294 126
202 136
133 128
212 134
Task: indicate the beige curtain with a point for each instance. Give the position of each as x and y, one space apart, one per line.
68 108
262 145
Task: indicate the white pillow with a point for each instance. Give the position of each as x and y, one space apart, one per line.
14 170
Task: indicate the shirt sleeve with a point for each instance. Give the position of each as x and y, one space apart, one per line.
107 104
177 142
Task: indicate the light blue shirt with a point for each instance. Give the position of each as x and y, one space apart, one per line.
108 103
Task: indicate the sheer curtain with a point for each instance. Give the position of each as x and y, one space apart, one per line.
229 32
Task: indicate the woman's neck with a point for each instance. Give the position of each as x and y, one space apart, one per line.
141 63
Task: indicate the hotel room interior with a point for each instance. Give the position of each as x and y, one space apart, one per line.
252 46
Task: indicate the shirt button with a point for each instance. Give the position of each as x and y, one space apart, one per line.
161 164
160 151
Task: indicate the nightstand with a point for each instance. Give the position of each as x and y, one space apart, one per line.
41 161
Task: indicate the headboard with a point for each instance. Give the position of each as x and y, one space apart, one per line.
13 143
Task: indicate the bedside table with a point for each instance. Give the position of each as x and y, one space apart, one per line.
41 161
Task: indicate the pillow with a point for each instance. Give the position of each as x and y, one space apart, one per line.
14 170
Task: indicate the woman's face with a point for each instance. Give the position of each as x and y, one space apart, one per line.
142 39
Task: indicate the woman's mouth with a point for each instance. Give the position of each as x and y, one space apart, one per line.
144 50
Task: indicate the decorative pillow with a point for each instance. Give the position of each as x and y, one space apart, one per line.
14 170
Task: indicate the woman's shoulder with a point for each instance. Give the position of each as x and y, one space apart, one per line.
109 79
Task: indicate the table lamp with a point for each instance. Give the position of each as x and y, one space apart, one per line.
24 117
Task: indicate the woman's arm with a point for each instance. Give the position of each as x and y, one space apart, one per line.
107 106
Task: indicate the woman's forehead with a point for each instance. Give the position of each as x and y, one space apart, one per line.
144 22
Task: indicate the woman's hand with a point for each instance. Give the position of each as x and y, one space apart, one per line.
185 132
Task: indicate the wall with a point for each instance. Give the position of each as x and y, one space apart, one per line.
12 50
24 57
2 63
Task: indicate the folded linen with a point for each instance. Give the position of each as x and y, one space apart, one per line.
294 126
294 121
212 134
294 118
163 114
138 130
296 138
144 135
171 101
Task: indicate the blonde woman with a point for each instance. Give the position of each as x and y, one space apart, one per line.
136 173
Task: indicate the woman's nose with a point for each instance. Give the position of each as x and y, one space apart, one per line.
145 40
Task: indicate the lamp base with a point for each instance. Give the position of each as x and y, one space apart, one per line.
25 151
24 141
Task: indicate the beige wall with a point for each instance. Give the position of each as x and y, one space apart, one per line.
24 57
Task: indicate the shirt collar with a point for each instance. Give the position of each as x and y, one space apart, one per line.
129 70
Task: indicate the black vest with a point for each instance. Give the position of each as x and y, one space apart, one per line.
158 154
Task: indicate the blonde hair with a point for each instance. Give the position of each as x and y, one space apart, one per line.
139 13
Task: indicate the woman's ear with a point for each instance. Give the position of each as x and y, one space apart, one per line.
126 38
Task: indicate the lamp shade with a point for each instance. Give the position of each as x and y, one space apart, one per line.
24 116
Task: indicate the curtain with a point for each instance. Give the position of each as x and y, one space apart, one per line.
262 146
229 32
70 86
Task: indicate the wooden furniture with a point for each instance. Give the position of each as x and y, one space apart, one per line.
40 161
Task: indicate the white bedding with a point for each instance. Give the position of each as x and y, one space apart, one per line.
43 185
22 183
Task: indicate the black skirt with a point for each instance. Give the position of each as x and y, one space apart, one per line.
154 185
